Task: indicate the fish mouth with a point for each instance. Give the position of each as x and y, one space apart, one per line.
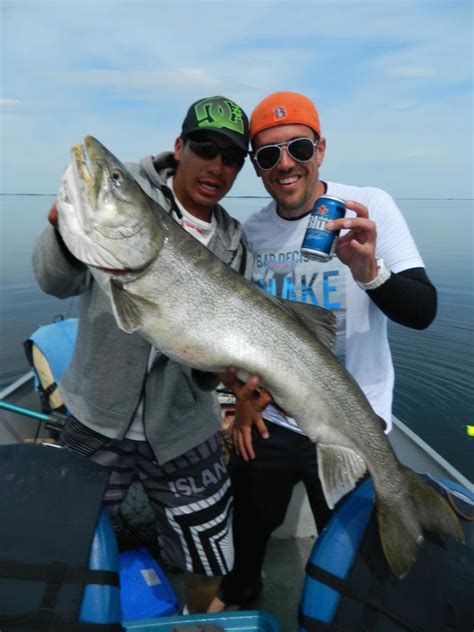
116 271
104 183
88 172
111 218
93 165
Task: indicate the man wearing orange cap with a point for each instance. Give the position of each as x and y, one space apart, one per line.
377 275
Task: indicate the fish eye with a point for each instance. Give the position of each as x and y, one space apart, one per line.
116 175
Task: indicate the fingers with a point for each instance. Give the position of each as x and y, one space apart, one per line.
359 223
242 438
243 442
360 226
248 391
262 400
261 426
229 377
241 390
244 419
53 215
360 242
359 209
359 255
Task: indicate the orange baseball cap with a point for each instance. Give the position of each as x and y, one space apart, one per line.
284 108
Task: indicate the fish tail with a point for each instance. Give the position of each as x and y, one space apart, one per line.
401 525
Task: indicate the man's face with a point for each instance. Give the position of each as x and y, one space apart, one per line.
200 182
291 183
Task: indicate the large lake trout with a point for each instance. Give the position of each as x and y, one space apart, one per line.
168 287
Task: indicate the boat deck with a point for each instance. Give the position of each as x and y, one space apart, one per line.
287 555
283 580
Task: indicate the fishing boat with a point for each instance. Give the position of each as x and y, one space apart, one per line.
22 420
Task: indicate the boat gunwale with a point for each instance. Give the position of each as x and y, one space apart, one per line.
398 425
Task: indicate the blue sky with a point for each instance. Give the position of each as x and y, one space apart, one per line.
392 82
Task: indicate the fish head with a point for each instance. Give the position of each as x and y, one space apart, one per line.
105 218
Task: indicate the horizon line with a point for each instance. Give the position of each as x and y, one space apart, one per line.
268 197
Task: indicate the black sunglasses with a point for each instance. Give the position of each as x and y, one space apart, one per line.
208 149
300 149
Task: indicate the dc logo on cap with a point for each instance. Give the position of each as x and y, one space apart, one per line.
279 112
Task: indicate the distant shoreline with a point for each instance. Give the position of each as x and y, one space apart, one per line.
267 197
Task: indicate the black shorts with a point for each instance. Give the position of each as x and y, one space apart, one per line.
191 495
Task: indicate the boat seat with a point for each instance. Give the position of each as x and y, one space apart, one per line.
49 351
349 586
58 553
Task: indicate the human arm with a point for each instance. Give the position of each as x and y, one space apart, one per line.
56 270
407 297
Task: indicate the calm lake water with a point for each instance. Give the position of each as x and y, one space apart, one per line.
434 368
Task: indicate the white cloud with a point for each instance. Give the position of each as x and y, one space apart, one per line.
9 103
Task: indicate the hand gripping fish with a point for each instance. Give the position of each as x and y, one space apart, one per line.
168 287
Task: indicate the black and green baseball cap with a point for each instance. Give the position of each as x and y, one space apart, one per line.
221 115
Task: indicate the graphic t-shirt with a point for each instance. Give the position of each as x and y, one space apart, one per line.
281 270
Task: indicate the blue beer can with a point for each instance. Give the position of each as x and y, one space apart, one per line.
320 243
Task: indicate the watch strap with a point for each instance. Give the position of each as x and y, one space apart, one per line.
383 274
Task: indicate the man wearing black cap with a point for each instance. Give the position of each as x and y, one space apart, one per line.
133 409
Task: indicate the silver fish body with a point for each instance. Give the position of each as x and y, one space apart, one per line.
198 311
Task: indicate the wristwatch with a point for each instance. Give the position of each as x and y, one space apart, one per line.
383 274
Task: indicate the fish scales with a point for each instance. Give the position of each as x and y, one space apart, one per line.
237 334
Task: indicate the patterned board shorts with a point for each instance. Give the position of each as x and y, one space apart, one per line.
191 495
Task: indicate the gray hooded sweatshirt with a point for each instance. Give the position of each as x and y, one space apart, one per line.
108 372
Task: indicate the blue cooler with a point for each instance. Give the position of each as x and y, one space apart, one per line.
244 621
145 590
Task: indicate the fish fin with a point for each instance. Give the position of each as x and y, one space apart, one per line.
127 310
321 321
401 524
339 470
